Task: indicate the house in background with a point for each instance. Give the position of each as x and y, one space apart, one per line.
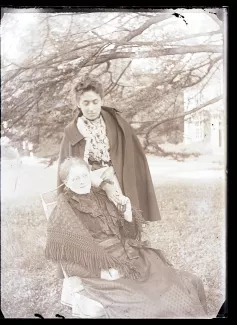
207 125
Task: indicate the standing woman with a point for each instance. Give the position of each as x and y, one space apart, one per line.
113 144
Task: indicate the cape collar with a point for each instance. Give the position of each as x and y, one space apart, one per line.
72 131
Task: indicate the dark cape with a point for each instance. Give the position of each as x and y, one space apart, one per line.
127 156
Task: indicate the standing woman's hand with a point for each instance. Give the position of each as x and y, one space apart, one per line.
112 194
120 201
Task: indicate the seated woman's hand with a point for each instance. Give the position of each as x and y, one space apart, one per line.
111 274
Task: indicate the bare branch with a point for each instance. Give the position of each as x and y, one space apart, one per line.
45 40
11 77
106 68
69 31
142 28
155 43
90 30
162 52
146 25
194 110
30 108
120 76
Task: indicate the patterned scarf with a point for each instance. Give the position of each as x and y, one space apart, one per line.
97 146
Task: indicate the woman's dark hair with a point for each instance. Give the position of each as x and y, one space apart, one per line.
67 164
87 84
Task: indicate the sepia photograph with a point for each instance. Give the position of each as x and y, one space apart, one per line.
113 163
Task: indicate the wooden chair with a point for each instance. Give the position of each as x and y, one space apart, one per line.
72 290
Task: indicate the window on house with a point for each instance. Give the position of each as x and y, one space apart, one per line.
198 133
198 123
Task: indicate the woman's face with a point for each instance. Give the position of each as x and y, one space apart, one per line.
90 104
79 180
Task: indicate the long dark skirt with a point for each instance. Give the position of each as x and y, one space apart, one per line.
161 292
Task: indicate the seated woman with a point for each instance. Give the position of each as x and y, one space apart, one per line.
94 241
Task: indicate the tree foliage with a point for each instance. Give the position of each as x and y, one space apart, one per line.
145 61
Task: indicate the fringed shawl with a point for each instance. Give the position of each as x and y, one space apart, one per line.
69 240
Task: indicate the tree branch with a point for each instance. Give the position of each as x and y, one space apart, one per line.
120 76
30 108
154 43
194 110
146 25
142 28
162 52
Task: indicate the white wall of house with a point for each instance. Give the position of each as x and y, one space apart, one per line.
210 129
